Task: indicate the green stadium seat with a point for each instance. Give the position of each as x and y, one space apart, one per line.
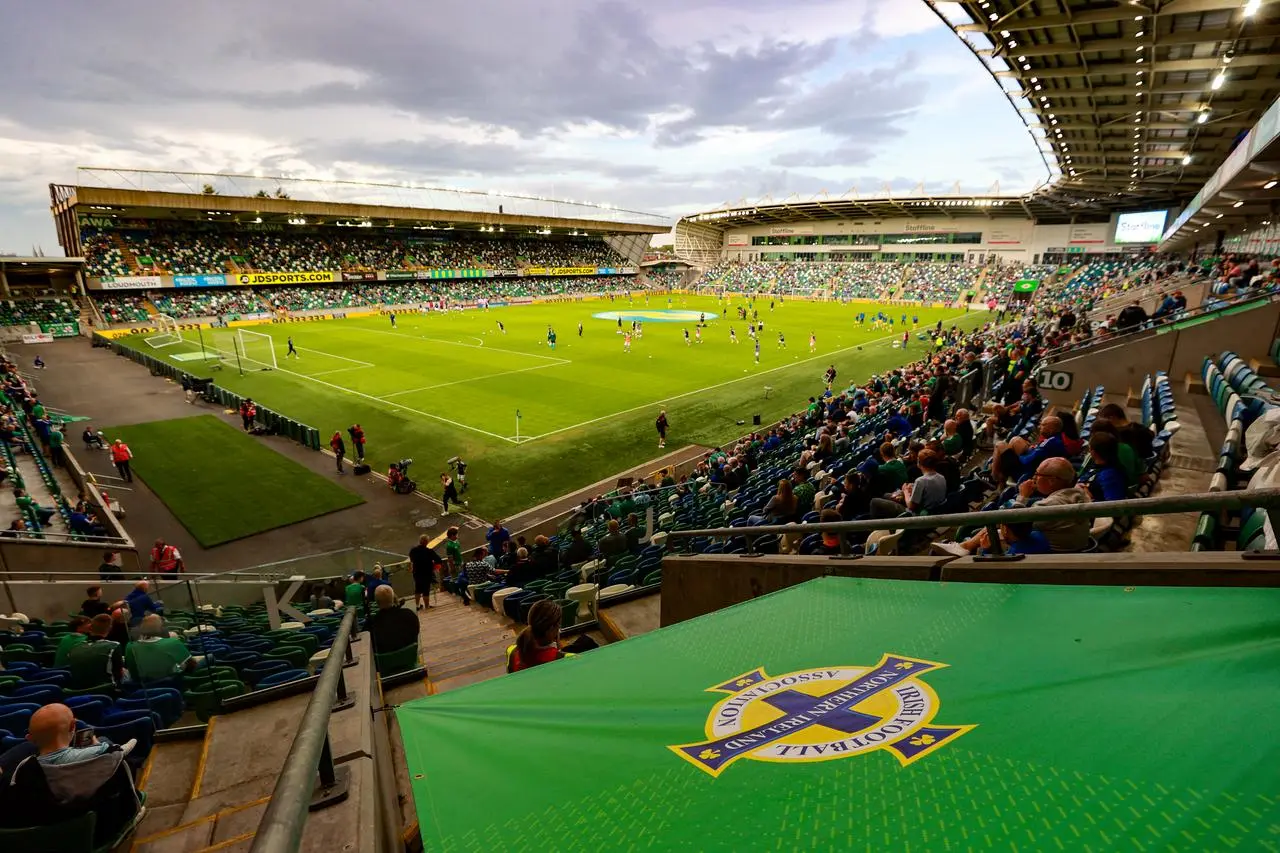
70 836
296 656
399 660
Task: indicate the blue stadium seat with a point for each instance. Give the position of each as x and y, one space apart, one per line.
283 677
141 729
89 708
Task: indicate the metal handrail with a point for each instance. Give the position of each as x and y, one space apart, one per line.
1152 326
1263 498
281 826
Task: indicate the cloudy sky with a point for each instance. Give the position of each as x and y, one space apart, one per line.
667 106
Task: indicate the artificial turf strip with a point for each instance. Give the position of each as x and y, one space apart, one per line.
225 485
441 385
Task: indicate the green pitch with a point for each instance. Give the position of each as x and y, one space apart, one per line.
871 715
222 484
442 385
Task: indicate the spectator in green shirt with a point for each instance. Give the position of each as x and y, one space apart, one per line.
56 438
892 473
453 551
353 595
97 661
803 491
156 656
25 501
1133 467
67 642
952 443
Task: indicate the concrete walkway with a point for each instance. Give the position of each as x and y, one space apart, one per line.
116 391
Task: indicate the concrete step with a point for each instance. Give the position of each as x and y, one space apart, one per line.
211 795
1264 367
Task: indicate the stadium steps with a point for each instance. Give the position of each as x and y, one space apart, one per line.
126 252
462 645
211 794
1191 463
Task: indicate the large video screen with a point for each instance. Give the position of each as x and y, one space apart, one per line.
1141 227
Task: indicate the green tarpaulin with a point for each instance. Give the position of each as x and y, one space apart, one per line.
1026 285
878 715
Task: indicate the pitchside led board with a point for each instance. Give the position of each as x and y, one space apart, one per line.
848 714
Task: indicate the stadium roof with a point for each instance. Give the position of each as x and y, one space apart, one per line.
1133 105
144 194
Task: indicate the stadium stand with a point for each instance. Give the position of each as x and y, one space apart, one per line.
27 311
175 252
123 308
929 282
188 304
664 279
999 282
840 280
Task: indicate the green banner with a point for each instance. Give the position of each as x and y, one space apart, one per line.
146 261
456 273
1026 285
61 330
849 714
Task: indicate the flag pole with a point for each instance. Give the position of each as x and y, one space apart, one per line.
517 426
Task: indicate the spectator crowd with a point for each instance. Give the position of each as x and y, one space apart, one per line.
181 252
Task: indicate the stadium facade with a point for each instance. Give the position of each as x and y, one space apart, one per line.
95 217
963 229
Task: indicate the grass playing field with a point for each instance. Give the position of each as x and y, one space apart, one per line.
442 385
224 485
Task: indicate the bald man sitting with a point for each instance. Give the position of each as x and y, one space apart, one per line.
53 729
1018 457
1053 484
57 780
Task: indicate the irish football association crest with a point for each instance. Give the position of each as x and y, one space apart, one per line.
822 714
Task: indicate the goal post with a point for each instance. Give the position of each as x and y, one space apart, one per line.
257 348
167 332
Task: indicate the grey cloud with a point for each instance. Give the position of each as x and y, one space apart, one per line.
844 155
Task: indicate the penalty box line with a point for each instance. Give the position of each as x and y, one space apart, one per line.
365 396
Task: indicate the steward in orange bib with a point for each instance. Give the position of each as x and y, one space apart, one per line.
165 559
120 455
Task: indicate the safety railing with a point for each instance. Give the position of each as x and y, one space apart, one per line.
1212 307
992 519
309 780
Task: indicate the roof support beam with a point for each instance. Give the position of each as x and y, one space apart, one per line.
1119 12
1168 66
1166 40
1192 86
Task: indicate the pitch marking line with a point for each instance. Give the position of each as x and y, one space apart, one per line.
469 346
362 395
355 361
343 370
464 381
666 400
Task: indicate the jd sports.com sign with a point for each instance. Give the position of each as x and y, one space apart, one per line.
1055 380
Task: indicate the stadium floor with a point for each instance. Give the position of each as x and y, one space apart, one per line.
444 385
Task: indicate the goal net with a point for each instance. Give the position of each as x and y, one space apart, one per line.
256 348
167 332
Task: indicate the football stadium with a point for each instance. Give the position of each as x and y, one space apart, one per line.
923 519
